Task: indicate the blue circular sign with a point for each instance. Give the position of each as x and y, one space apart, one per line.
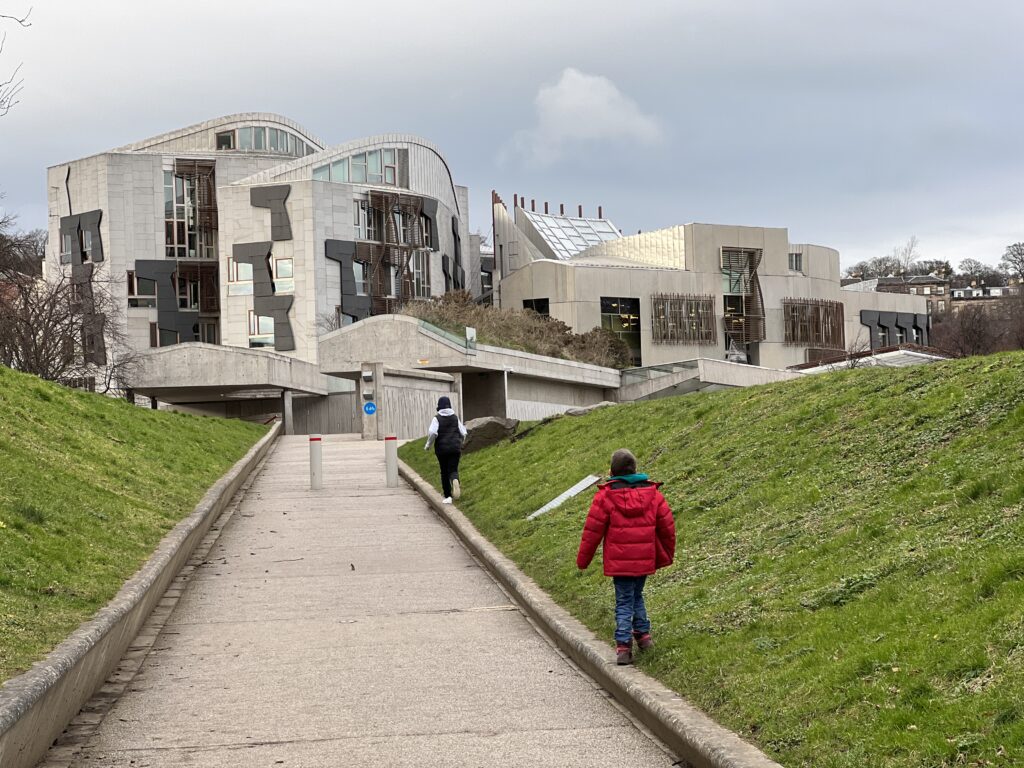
370 408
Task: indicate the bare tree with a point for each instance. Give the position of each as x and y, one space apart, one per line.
974 271
12 86
973 329
1013 260
907 254
66 328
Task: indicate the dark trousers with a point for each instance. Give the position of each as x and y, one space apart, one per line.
630 611
449 461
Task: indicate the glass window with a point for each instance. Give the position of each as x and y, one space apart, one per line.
168 338
323 173
274 142
796 262
259 141
622 317
389 175
284 267
339 170
245 138
225 140
291 143
388 156
540 306
239 272
361 272
358 170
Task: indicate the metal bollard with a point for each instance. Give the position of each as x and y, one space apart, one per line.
391 461
316 461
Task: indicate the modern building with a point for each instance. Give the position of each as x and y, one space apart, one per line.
695 290
936 288
250 231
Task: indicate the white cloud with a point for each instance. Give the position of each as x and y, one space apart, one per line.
582 108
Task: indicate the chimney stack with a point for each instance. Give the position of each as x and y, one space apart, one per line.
545 206
600 212
533 204
581 211
515 200
561 209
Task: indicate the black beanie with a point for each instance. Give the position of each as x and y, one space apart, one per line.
443 403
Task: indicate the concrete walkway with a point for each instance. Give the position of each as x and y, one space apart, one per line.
348 627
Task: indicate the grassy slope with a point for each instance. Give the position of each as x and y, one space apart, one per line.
850 577
88 486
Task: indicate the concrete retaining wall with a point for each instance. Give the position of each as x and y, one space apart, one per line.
36 706
688 732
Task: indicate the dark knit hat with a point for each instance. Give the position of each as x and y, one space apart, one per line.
623 463
443 403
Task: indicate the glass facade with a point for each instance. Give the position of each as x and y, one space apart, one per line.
260 138
378 166
183 237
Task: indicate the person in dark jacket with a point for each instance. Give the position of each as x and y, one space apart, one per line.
446 434
633 519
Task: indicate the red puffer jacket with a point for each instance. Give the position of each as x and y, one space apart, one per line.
637 527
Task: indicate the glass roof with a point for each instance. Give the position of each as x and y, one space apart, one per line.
569 236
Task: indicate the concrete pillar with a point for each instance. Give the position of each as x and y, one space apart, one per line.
371 390
286 412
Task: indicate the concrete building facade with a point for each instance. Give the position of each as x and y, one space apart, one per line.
695 290
249 231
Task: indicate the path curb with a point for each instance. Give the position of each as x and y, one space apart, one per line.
688 732
37 705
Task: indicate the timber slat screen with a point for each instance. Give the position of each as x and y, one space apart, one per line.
816 323
678 318
744 303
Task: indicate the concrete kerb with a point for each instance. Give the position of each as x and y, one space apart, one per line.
37 705
688 732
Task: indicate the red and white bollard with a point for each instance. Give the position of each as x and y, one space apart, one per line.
316 458
391 461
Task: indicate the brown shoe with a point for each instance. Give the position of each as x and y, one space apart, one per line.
623 654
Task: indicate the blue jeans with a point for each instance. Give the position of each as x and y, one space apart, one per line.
630 611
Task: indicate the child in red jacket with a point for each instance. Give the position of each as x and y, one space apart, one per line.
632 517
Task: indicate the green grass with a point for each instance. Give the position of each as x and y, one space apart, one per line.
88 486
850 574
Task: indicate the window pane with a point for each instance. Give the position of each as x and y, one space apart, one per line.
291 144
373 161
323 173
389 157
273 143
284 268
375 178
245 138
339 170
259 138
266 325
244 272
389 175
225 140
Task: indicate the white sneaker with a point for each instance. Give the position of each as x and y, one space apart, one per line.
447 500
456 489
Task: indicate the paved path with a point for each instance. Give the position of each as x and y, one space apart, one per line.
348 627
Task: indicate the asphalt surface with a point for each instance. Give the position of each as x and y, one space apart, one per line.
348 627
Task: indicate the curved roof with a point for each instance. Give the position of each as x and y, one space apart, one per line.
344 150
223 122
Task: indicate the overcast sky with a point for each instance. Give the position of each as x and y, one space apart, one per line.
855 125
